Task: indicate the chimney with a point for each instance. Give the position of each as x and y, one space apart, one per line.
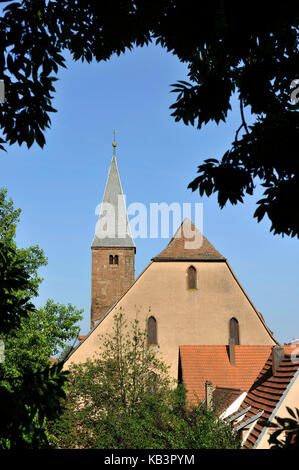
209 395
277 357
232 352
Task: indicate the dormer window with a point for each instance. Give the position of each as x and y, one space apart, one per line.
192 278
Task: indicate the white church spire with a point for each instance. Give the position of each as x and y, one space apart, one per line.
112 229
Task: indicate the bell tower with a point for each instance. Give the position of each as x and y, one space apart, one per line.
113 249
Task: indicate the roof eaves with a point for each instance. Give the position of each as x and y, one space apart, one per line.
90 331
238 415
250 420
251 303
277 407
213 260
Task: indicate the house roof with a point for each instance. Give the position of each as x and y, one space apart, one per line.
267 393
188 244
54 360
223 397
113 228
211 362
81 337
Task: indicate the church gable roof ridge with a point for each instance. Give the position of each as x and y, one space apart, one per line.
178 249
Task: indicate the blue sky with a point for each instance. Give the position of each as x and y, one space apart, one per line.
59 187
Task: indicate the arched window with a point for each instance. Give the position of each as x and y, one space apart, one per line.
152 330
116 259
110 259
192 281
234 331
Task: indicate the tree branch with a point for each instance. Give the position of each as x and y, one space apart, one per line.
242 115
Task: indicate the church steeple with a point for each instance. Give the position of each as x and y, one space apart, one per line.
113 248
113 226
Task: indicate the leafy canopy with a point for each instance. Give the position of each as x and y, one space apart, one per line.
31 389
42 334
19 279
247 49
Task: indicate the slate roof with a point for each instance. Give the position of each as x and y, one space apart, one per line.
211 362
180 246
107 230
267 393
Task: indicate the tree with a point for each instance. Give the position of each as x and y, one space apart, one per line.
39 336
20 264
28 399
31 388
250 50
37 333
124 399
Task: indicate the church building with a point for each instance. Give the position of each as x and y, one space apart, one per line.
194 308
185 296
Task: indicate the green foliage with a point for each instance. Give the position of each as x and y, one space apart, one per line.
31 389
251 51
39 336
14 278
124 399
9 217
19 279
26 403
285 433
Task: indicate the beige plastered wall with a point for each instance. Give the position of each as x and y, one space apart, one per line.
184 317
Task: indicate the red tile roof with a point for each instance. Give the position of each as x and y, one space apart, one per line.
178 250
53 360
267 391
202 363
81 337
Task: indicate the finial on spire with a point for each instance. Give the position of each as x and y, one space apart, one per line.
114 144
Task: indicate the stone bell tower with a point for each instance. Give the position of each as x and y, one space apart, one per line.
113 249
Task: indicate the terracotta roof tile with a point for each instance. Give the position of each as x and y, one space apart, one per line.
177 248
81 337
202 363
266 392
53 360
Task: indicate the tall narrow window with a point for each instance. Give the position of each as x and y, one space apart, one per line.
116 259
110 259
152 330
192 284
234 331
